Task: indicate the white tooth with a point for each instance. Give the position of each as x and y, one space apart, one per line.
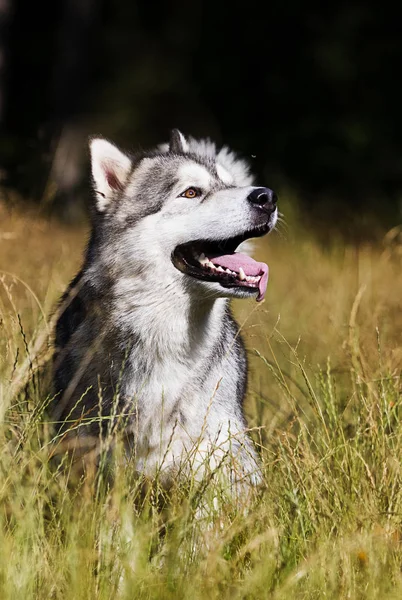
202 257
228 271
242 274
210 265
220 269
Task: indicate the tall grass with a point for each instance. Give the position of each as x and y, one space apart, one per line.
324 404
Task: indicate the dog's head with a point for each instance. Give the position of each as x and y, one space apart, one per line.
176 216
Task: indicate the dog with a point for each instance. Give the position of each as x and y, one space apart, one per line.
145 336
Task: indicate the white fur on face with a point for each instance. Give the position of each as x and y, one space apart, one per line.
222 215
193 174
274 218
150 243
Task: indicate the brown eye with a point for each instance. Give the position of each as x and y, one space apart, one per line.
190 193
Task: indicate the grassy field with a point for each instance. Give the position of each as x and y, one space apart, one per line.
325 401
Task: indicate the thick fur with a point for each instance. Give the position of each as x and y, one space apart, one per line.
139 338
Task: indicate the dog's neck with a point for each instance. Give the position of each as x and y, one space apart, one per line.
171 323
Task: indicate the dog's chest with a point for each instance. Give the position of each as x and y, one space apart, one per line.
167 397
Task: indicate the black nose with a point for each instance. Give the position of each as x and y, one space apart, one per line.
265 198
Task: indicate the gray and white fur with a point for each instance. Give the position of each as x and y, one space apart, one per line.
137 334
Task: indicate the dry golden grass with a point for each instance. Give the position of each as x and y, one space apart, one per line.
325 388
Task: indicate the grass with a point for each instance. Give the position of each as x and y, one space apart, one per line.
325 401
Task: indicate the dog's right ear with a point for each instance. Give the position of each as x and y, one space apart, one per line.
110 171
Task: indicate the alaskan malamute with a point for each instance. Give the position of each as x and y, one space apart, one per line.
145 337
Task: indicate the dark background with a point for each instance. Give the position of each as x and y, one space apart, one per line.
310 92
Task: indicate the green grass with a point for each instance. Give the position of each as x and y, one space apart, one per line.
324 403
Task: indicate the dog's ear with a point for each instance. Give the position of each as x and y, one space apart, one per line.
178 143
110 171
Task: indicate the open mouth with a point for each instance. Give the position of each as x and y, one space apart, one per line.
219 262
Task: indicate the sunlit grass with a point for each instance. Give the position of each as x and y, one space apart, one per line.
325 404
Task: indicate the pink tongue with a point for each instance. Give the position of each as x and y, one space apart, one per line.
250 267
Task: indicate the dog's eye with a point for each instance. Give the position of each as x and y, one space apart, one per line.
191 192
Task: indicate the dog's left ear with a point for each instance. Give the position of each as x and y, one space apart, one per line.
178 143
110 171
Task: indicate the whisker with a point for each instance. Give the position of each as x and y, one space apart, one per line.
282 223
280 234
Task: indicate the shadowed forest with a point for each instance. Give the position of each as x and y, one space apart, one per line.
309 92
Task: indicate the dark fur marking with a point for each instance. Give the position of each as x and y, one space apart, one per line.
73 312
